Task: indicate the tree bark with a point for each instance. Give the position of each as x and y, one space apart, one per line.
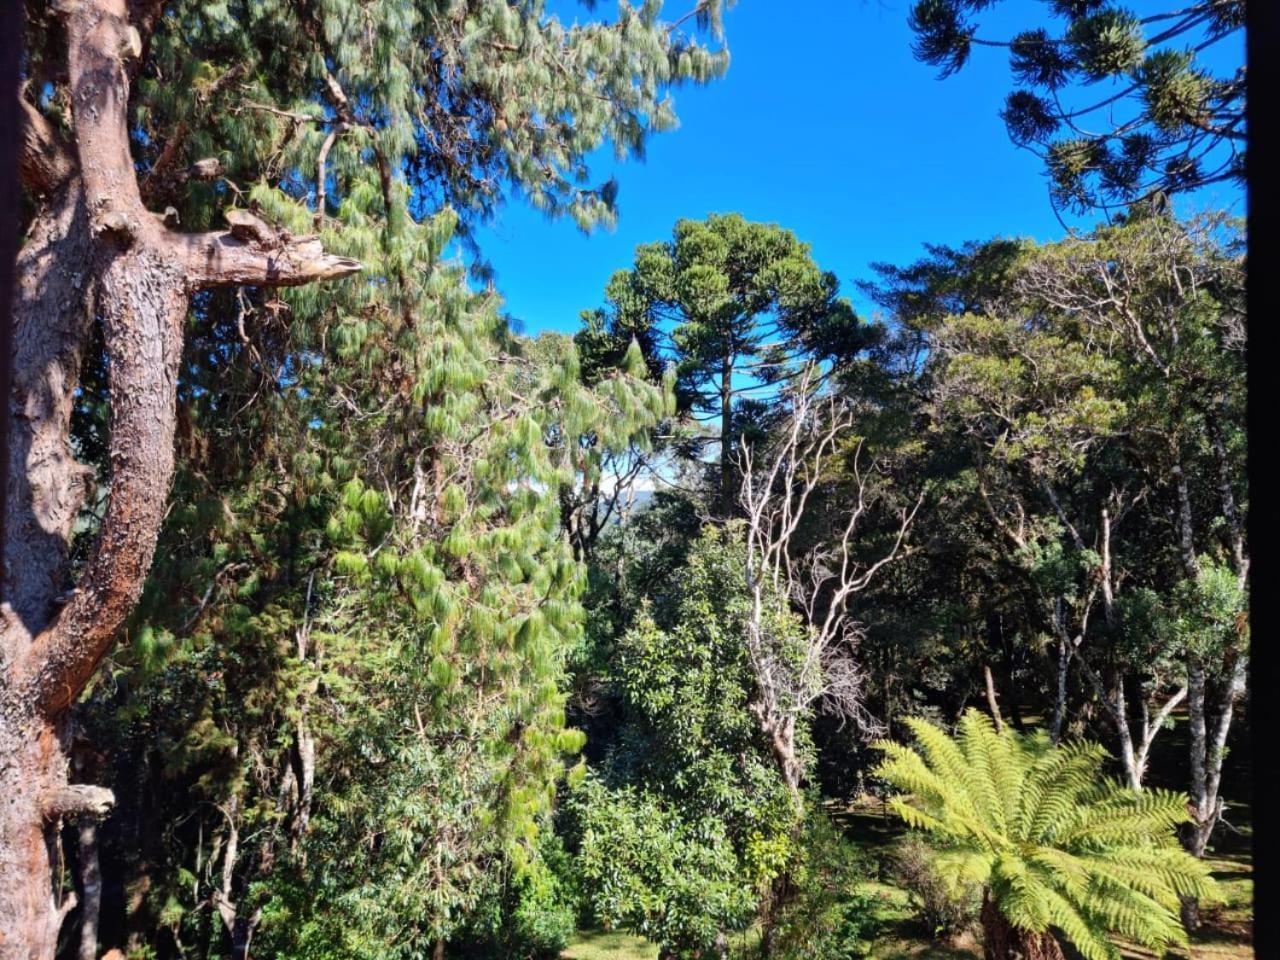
993 703
94 252
1060 692
1003 941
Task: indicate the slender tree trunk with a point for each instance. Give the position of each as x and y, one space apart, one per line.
992 703
1060 692
1120 714
90 890
780 731
996 631
94 252
1003 941
726 436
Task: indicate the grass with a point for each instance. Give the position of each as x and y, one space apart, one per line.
598 945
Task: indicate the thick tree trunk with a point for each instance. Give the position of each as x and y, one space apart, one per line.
1003 941
30 909
94 251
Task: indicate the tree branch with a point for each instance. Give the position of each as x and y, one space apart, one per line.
46 161
220 260
73 801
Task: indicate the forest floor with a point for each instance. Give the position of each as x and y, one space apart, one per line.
597 945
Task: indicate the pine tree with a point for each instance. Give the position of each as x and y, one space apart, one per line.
299 136
1055 845
389 605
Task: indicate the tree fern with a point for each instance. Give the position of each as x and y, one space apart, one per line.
1055 845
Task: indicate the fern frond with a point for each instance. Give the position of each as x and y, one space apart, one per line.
1055 844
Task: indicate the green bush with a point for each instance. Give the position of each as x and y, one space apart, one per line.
644 867
826 917
531 917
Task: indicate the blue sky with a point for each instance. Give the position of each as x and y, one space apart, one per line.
824 124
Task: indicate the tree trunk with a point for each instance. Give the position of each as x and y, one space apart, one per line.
993 703
1003 941
1119 707
726 436
94 251
90 890
1060 692
996 631
30 909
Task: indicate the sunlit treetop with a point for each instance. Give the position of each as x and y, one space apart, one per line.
1120 107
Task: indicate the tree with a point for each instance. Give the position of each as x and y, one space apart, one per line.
1168 126
361 634
689 818
1169 296
1055 846
606 470
93 237
738 306
648 866
347 125
1092 376
798 666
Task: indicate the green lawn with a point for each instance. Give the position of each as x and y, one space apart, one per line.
597 945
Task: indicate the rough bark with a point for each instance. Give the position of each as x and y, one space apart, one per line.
94 251
1003 941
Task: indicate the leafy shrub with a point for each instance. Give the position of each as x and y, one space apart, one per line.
527 917
648 868
826 917
943 909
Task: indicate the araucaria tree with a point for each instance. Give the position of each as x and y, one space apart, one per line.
739 307
1054 844
146 127
1167 125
